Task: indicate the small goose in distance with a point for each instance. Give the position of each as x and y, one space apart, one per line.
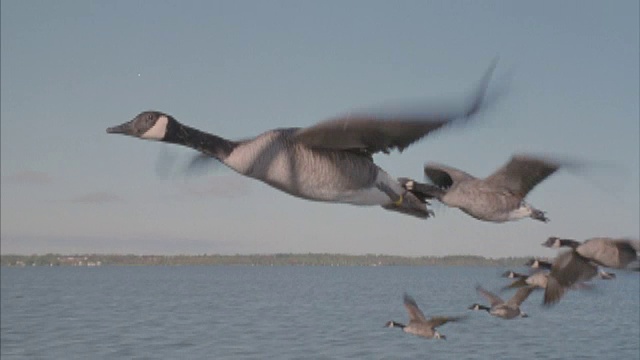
331 161
496 198
607 252
581 262
500 308
555 243
537 280
538 264
512 274
418 324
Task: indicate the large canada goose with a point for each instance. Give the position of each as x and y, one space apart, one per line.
330 161
496 198
418 324
581 262
500 308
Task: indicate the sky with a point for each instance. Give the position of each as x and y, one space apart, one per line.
566 85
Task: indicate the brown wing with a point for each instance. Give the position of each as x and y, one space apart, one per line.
372 134
521 295
522 173
609 252
413 309
441 320
493 298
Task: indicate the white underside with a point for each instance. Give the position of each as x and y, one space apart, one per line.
366 197
524 211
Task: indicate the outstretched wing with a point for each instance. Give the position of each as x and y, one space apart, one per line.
568 269
521 295
522 173
412 308
441 320
493 298
372 134
444 176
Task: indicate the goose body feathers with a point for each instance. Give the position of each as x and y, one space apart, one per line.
499 308
581 262
330 161
418 324
496 198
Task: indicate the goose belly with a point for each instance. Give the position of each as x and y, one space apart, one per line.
330 176
488 205
505 312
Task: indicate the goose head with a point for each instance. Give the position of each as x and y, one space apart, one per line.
437 335
476 307
390 324
150 125
552 242
526 210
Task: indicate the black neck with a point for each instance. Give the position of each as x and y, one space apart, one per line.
204 142
569 243
398 325
482 307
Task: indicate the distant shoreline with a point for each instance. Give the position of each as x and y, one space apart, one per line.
310 259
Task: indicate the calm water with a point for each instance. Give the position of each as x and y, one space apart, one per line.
239 312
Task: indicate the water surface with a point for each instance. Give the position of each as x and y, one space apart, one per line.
294 312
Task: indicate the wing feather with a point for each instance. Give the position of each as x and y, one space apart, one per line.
372 134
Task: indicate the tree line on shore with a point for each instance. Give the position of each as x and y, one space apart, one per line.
309 259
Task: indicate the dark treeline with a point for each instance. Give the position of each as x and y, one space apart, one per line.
274 259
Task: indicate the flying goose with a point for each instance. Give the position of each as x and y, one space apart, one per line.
512 275
419 325
500 308
496 198
538 264
331 161
537 280
581 262
555 242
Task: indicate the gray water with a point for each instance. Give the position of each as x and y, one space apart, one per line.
244 312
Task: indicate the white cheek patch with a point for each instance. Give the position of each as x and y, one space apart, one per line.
158 130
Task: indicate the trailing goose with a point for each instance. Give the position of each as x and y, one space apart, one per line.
538 264
497 198
607 252
418 324
555 242
538 280
512 274
330 161
581 262
500 308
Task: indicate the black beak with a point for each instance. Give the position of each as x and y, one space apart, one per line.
126 128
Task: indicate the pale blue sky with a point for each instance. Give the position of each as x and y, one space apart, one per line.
70 69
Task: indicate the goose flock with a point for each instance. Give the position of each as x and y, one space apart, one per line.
332 161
